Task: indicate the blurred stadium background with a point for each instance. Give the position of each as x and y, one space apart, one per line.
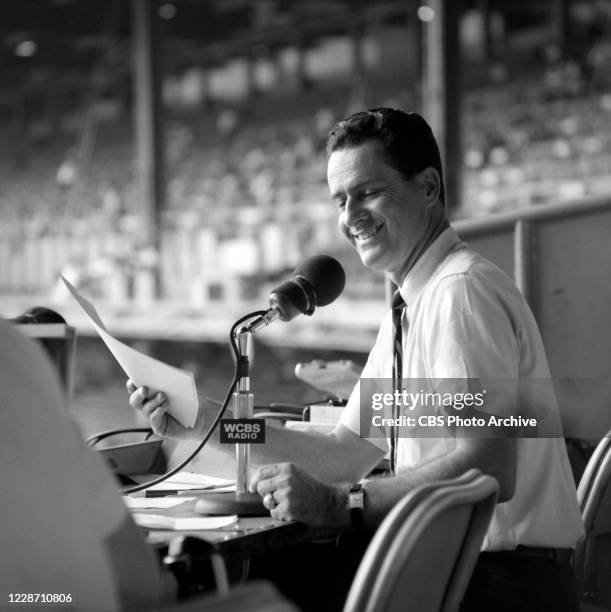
168 157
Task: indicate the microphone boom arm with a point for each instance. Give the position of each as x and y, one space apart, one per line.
262 321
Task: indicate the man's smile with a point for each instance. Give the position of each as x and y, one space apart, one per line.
365 234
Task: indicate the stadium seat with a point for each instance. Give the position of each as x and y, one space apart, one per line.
592 556
437 529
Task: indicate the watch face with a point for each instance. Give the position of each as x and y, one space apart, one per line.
355 499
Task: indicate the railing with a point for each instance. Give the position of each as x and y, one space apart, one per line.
559 255
560 258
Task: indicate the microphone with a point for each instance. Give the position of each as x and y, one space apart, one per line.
318 281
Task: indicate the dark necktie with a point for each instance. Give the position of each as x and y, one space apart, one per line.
398 308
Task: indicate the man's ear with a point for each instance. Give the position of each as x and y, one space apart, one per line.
430 182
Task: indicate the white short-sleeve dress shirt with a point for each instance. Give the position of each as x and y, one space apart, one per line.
467 321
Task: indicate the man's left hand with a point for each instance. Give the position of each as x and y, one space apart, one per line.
291 494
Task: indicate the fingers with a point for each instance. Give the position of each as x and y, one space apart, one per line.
158 419
288 492
140 400
154 404
277 503
291 494
262 474
269 485
270 482
138 396
153 408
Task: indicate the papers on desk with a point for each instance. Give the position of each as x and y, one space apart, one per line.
140 503
180 485
186 481
159 521
177 384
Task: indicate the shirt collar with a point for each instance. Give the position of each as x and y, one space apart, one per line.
422 270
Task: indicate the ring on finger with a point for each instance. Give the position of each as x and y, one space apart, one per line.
269 500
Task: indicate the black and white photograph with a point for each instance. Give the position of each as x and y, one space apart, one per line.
305 305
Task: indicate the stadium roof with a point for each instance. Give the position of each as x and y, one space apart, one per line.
43 40
211 30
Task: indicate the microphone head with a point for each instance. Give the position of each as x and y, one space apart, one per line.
316 282
326 276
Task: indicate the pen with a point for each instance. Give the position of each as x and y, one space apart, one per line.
164 492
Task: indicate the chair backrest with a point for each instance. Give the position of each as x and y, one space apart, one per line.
422 556
594 497
51 538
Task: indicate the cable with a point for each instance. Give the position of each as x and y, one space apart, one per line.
219 416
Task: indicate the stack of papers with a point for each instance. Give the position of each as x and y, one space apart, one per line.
179 486
159 521
147 503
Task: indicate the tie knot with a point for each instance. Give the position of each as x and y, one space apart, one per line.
397 300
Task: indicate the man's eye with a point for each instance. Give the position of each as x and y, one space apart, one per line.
341 204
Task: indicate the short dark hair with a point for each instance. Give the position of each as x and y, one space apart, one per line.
407 139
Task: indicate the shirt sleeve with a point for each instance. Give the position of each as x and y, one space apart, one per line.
358 414
476 347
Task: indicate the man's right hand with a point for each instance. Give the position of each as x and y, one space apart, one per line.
154 408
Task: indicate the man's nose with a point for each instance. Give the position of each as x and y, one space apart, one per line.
353 212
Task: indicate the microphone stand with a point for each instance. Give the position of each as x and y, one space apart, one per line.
242 502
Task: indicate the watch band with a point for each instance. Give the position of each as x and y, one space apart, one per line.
356 503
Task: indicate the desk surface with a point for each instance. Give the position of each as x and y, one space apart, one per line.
247 537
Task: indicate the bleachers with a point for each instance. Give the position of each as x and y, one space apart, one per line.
247 195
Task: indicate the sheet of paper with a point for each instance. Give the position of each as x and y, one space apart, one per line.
177 384
192 480
159 521
140 503
187 481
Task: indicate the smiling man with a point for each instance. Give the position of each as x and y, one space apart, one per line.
389 220
461 320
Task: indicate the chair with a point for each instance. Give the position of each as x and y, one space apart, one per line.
422 556
593 554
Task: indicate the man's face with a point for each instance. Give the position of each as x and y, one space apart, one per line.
380 213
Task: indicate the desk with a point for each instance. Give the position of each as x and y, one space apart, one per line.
237 543
247 537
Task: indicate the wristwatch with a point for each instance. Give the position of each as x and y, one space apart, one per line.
356 503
